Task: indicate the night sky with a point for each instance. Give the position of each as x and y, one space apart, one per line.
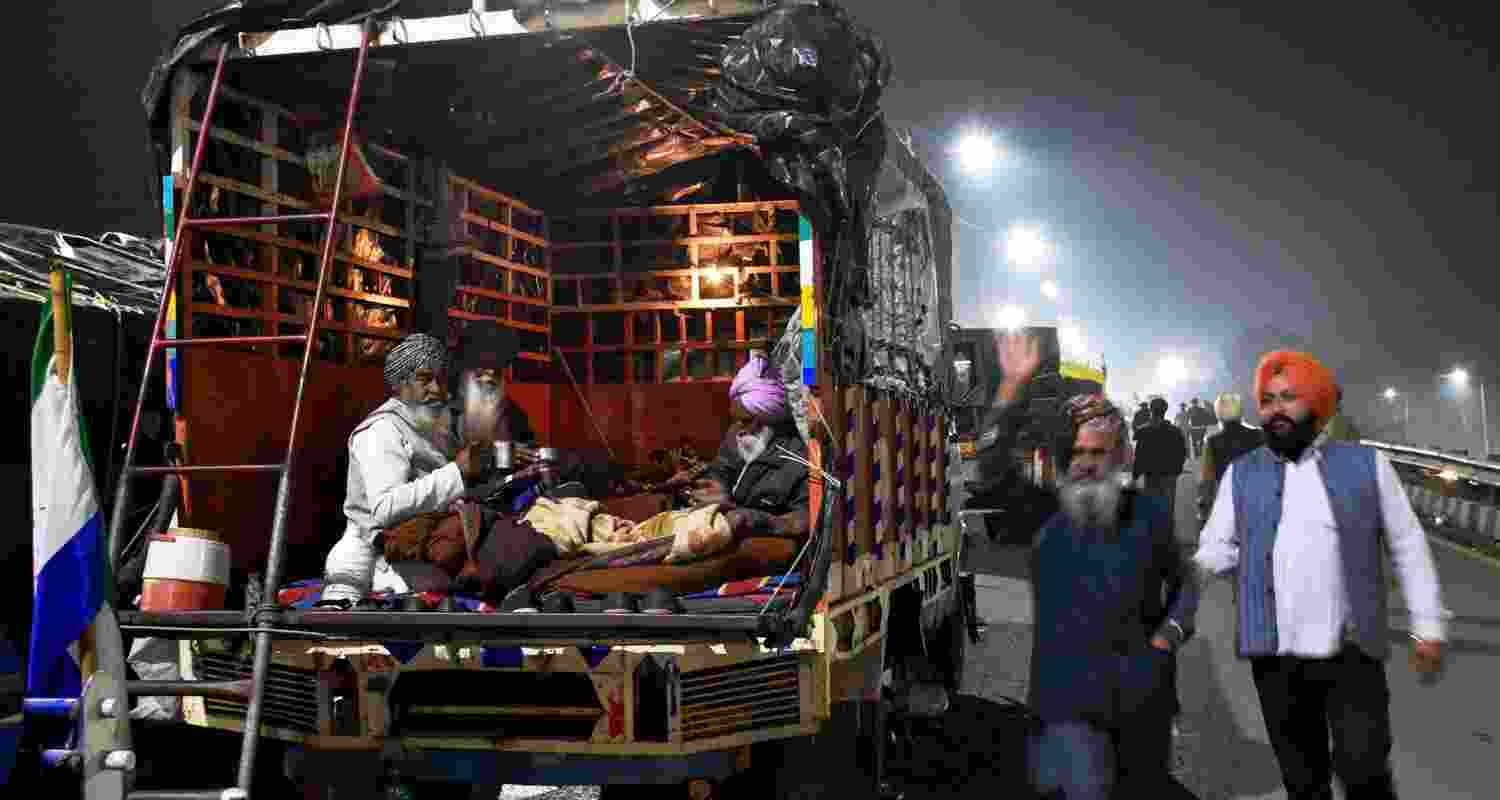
1200 171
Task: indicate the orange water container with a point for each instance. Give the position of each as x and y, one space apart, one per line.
187 569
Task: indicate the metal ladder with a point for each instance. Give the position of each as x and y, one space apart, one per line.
101 747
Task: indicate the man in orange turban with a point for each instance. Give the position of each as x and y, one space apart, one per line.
1302 523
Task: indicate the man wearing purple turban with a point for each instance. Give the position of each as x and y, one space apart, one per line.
760 469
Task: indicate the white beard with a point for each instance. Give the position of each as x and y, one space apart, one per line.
426 416
483 404
752 445
1092 502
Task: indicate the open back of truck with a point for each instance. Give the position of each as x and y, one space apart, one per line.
644 193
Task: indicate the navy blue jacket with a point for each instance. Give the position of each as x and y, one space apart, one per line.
1098 599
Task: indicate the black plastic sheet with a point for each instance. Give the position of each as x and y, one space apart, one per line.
806 81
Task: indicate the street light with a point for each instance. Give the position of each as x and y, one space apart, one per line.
1390 395
1026 247
1460 378
977 153
1049 290
1172 371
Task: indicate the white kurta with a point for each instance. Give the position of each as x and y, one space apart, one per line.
395 473
1311 600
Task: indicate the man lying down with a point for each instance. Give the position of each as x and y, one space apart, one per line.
410 465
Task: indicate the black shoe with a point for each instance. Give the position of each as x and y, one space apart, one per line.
520 601
621 603
661 601
558 603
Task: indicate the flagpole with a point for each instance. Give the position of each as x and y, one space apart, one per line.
62 360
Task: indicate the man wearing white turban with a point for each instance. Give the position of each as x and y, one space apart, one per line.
398 465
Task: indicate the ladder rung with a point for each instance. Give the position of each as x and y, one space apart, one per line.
320 216
175 470
293 338
226 690
50 706
189 794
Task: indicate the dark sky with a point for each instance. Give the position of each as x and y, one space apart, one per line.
1201 171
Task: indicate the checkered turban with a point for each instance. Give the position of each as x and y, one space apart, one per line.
417 351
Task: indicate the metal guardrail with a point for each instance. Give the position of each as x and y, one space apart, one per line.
1458 467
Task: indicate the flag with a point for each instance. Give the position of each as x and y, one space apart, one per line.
67 534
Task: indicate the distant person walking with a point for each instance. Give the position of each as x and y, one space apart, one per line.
1142 419
1200 419
1160 453
1183 420
1233 439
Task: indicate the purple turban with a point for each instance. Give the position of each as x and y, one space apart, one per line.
758 391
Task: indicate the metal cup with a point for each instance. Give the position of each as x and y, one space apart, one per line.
503 455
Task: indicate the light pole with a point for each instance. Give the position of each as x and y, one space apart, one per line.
1460 376
1391 394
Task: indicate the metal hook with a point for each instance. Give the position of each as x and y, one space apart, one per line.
476 22
321 31
405 37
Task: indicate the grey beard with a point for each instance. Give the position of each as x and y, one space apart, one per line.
425 416
482 406
751 446
1092 502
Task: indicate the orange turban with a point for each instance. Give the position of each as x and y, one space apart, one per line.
1308 376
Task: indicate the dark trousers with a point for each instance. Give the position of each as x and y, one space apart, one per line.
1165 487
1304 699
1090 762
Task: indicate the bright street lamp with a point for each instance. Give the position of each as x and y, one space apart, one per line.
1012 317
1049 290
1172 371
977 153
1026 247
1390 395
1460 378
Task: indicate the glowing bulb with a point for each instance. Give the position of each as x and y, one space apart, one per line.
1049 290
1026 247
1012 317
977 152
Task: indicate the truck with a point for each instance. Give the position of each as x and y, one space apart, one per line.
643 192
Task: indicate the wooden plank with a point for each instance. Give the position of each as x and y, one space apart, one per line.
905 480
672 305
883 431
264 148
683 208
210 309
250 190
293 244
857 410
459 313
540 302
500 262
485 191
833 411
500 227
307 286
682 241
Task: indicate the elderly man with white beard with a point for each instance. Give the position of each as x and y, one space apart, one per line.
1114 597
761 469
399 467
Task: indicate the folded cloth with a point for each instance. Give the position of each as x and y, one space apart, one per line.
573 522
